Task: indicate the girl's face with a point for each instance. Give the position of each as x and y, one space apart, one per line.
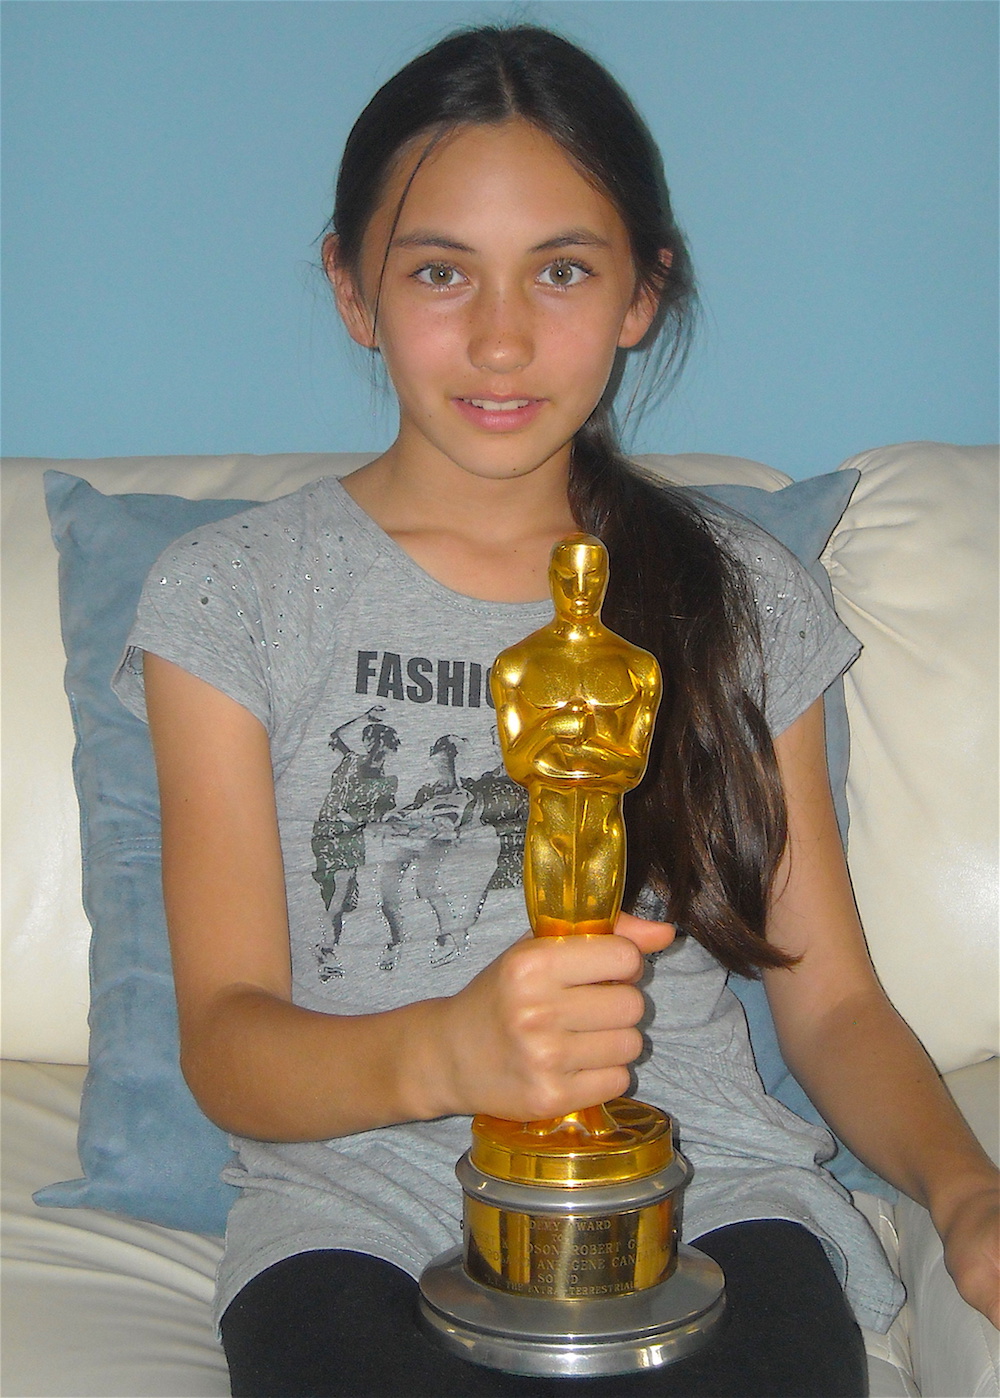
507 287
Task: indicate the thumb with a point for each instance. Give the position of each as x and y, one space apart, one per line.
648 936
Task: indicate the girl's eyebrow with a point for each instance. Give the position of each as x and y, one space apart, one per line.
573 237
429 238
426 238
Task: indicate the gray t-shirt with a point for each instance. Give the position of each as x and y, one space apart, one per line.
402 836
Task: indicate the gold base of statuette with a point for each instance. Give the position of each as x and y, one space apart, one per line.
570 1262
620 1140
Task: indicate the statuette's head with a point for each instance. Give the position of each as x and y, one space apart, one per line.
578 576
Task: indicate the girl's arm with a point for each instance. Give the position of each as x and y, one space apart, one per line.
548 1028
858 1061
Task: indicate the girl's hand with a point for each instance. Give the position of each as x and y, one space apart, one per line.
549 1027
972 1248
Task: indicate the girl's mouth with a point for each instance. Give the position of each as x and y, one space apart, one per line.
499 414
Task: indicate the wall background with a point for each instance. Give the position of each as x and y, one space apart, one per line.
168 169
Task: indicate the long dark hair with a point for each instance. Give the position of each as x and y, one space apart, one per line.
706 827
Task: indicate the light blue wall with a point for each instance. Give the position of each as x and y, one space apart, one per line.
167 171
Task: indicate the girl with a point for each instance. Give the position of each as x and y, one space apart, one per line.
347 925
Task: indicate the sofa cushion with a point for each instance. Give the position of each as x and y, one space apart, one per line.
145 1147
914 569
94 1306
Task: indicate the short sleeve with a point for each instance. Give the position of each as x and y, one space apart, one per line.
805 646
200 608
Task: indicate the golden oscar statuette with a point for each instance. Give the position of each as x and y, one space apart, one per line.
570 1263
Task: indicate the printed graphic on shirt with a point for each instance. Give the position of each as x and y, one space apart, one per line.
398 859
455 682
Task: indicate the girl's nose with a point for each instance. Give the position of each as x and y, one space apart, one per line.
500 336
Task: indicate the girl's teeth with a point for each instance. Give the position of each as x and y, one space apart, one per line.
489 406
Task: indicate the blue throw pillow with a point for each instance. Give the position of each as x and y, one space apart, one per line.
146 1149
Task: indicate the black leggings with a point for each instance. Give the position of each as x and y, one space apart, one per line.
332 1324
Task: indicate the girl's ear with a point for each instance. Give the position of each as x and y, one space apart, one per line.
642 312
351 304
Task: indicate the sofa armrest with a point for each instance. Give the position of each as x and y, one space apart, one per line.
955 1351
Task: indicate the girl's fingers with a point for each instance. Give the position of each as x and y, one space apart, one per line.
594 1086
590 960
600 1007
607 1049
647 936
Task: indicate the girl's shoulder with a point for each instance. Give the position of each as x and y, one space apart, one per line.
247 601
310 543
777 579
308 518
804 646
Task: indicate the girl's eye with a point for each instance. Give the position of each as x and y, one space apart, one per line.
437 274
564 274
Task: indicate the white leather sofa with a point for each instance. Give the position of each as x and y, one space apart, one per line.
97 1304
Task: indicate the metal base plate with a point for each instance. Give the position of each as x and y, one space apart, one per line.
607 1335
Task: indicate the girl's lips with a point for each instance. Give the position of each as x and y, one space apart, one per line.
499 414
